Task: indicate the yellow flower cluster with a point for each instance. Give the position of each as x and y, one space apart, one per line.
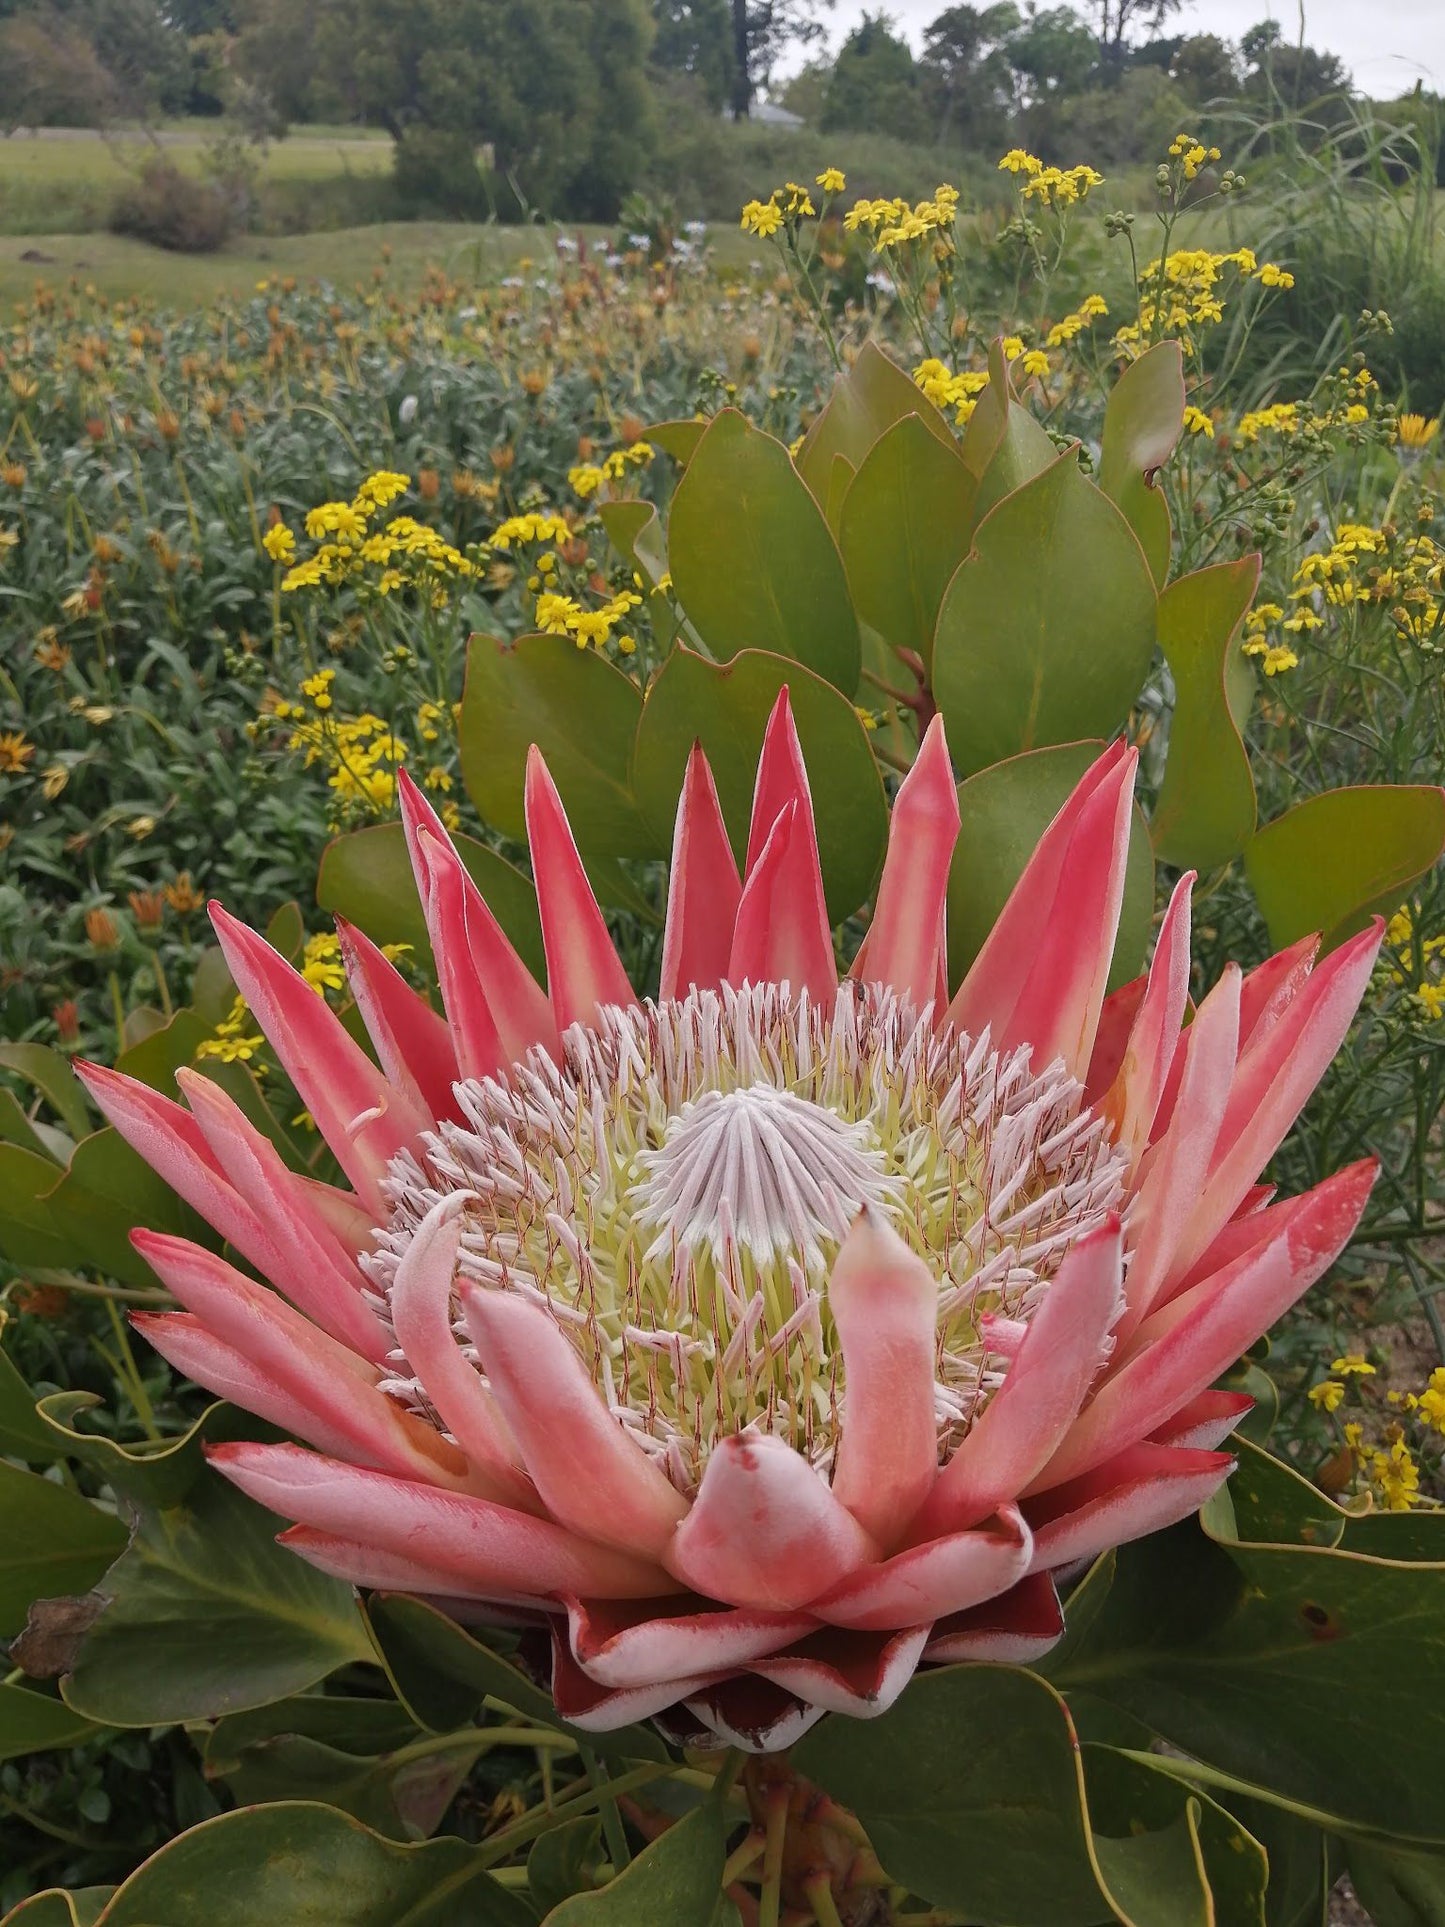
1196 422
1279 418
946 390
1191 154
1335 572
1427 1406
360 753
522 530
790 202
1390 1469
1052 186
1415 964
1089 309
1347 405
1181 293
1400 571
383 487
235 1039
404 554
588 477
894 223
1383 1466
561 615
1275 657
321 963
762 218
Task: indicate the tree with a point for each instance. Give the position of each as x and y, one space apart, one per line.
761 30
807 89
1297 76
1131 120
49 74
874 83
694 37
1053 53
143 53
552 94
1118 18
1205 68
967 72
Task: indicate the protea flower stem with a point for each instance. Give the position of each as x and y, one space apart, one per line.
817 1860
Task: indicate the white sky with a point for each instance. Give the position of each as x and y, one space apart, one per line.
1386 44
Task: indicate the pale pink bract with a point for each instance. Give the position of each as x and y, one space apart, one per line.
762 1341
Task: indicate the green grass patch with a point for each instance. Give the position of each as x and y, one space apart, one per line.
63 180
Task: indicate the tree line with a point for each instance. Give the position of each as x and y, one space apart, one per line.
563 107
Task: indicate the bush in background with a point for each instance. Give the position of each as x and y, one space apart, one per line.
173 210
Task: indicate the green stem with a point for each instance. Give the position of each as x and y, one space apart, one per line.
123 1294
819 1889
117 1006
727 1777
481 1739
161 985
742 1857
613 1830
503 1844
131 1377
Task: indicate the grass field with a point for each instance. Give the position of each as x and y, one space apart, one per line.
63 180
120 267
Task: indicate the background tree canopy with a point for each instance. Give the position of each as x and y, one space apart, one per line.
510 109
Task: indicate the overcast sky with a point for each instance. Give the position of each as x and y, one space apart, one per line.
1387 44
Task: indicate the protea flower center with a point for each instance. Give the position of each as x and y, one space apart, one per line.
676 1188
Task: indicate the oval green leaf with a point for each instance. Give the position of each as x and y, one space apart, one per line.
309 1866
726 707
1334 861
52 1543
903 530
580 710
866 400
50 1074
33 1722
676 1882
208 1615
1399 1888
1143 420
993 1827
1047 629
1167 1854
1205 813
1231 1651
753 562
679 439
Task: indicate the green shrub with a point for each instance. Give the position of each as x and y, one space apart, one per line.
173 210
435 172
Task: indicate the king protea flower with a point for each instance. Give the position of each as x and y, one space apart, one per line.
761 1341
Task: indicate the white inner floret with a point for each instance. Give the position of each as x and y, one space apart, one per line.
675 1190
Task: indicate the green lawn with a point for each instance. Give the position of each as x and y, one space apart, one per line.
64 180
117 266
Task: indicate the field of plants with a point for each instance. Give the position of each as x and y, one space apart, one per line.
984 490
